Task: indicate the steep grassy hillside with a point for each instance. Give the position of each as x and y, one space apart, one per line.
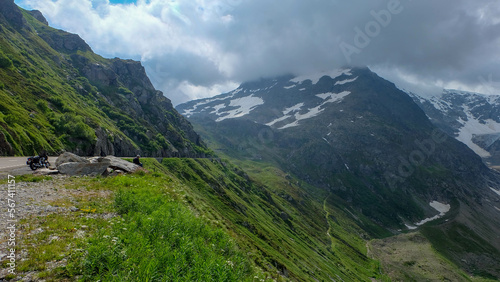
456 246
56 94
195 218
360 138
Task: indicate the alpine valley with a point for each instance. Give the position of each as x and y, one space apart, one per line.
376 153
336 176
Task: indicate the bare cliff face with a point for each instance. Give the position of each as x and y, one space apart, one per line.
78 101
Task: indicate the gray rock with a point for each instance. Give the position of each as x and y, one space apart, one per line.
46 171
95 160
107 172
70 158
39 16
119 164
81 168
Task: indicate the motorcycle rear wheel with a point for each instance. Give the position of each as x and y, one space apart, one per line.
33 166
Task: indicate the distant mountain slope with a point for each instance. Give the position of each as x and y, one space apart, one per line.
356 135
56 94
472 118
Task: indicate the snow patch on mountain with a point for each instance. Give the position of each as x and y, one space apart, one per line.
217 108
285 117
342 82
293 108
443 209
496 191
473 127
312 112
286 114
298 116
333 97
314 78
469 116
189 112
244 106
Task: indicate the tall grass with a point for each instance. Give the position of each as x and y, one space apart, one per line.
157 239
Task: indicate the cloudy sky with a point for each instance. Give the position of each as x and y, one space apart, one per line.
199 48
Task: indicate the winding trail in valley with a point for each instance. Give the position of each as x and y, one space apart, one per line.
327 215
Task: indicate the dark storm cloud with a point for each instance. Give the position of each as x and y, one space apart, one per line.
193 48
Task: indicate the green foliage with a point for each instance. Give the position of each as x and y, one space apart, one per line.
454 240
5 62
284 228
179 246
47 89
124 90
57 102
43 106
73 126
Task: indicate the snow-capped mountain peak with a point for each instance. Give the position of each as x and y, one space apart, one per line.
472 118
301 97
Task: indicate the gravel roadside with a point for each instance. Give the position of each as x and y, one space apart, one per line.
35 200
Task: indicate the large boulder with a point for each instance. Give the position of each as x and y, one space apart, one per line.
71 164
70 158
119 164
84 168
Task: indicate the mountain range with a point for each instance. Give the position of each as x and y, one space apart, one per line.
314 176
472 118
358 136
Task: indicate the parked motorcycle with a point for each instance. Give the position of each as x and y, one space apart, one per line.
37 162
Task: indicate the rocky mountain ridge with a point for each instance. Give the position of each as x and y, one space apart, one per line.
472 118
68 98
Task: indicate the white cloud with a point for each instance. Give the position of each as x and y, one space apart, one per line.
191 48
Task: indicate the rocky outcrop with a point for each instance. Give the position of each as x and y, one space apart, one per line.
12 14
65 42
84 168
113 97
137 98
39 16
119 164
70 158
71 164
5 147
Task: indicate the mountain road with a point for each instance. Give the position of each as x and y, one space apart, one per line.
17 166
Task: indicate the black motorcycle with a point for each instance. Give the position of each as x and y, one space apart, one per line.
37 162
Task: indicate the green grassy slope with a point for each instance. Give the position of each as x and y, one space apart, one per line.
208 220
460 246
198 220
281 226
56 94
